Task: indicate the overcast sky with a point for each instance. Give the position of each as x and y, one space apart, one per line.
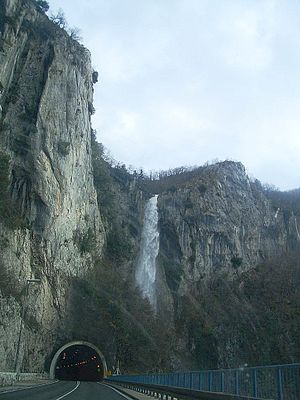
183 82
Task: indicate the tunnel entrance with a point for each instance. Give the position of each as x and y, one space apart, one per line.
78 361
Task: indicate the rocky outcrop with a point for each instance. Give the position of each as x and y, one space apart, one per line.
46 103
216 228
221 221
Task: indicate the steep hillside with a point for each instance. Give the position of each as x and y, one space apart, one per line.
67 217
222 220
224 250
48 200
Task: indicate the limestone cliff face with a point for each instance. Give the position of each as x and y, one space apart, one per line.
46 103
221 221
215 229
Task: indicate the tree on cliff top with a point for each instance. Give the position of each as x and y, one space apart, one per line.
59 19
43 5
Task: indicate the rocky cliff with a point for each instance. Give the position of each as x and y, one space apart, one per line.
48 204
217 229
67 217
220 220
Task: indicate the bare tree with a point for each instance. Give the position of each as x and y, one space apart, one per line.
59 19
43 5
75 33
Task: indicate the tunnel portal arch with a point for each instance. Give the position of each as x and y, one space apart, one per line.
76 343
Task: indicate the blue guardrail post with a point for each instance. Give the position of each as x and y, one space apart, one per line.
279 384
236 382
254 383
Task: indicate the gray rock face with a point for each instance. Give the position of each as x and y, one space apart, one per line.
215 229
221 221
46 103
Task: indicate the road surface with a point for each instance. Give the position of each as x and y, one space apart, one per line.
65 390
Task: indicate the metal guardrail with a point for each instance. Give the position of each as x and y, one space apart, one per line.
174 393
278 382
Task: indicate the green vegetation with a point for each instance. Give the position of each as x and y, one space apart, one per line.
63 148
8 285
27 86
8 212
4 242
199 332
4 183
236 262
118 245
202 188
107 171
119 320
173 272
103 180
84 242
122 321
182 177
288 201
170 180
111 184
10 20
170 256
253 319
2 16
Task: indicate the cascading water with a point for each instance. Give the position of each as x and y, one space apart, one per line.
296 225
145 273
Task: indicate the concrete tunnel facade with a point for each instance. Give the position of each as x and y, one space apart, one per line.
65 347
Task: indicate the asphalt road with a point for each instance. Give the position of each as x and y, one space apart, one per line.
64 390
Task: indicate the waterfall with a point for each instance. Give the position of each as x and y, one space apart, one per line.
296 225
145 273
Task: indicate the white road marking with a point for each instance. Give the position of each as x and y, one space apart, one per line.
29 387
121 394
67 394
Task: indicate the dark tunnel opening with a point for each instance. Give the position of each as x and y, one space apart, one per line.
79 363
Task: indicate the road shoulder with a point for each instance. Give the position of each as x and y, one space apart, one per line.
128 392
25 385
